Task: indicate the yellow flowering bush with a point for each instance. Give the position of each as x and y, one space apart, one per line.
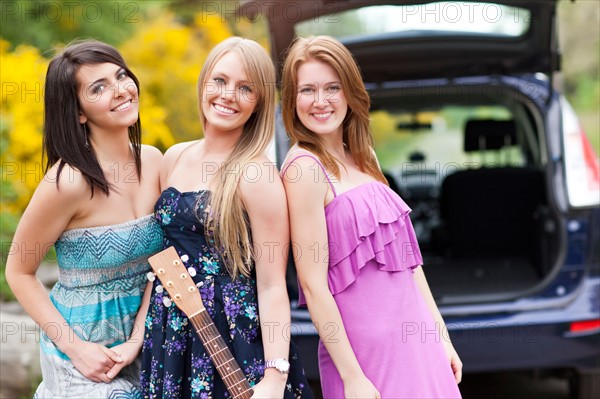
22 113
167 57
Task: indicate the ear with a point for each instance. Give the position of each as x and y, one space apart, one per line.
82 118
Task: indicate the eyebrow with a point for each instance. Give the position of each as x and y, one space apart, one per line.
101 80
317 84
222 74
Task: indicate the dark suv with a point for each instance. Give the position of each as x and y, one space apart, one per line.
503 183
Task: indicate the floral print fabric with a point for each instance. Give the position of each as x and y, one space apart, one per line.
174 362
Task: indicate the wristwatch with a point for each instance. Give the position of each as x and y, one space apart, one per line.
281 365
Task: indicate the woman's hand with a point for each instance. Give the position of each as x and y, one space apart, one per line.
361 388
94 360
128 352
455 361
271 386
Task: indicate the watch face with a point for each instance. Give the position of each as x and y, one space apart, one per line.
282 365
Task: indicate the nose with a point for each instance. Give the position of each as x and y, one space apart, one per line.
321 99
119 89
228 92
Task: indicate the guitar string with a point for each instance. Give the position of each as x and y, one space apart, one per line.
241 378
222 353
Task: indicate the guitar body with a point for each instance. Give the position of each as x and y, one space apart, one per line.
169 268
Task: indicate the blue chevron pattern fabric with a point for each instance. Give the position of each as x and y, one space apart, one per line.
102 277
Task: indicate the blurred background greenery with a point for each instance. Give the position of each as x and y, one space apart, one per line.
165 43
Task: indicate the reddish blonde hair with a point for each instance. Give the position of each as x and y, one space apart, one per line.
356 133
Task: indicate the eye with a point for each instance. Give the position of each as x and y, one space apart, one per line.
246 89
98 88
307 90
333 88
219 81
122 75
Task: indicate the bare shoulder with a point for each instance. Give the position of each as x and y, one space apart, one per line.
66 182
304 167
151 159
260 175
262 191
296 154
151 153
66 191
171 156
177 149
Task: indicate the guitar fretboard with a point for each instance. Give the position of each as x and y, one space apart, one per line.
228 369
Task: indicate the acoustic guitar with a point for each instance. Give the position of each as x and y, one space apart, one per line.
175 278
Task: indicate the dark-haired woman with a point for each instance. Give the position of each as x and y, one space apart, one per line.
94 204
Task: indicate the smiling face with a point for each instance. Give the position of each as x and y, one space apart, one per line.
228 98
320 104
108 97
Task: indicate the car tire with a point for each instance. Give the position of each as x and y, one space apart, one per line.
585 384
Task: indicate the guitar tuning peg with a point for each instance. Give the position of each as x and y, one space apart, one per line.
151 276
185 258
191 271
167 301
159 289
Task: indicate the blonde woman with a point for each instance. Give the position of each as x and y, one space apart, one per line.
382 335
223 206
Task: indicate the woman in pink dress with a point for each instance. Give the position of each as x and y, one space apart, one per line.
357 256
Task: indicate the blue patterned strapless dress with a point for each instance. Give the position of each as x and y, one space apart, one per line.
100 287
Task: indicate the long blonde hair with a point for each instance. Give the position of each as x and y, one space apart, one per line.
227 221
356 133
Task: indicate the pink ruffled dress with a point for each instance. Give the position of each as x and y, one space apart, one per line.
372 253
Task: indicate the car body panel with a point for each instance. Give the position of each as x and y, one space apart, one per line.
422 54
530 329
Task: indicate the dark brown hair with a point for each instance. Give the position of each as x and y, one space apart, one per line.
64 136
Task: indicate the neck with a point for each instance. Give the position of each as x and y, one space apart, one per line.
334 144
111 147
219 142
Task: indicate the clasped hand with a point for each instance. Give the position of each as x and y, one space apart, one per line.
101 364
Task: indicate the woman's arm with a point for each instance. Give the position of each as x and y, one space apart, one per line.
46 217
455 361
129 350
264 200
306 194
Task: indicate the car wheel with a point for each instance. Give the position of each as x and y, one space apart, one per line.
585 384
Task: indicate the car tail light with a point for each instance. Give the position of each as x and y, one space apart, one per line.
581 164
584 326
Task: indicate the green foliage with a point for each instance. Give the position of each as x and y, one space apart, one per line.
48 23
163 52
8 224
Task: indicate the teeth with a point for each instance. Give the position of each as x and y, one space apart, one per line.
224 109
123 106
322 116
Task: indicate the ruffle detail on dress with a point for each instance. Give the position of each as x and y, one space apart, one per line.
368 223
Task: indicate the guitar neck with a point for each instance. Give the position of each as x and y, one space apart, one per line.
221 356
169 268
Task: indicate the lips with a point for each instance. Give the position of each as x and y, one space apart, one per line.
122 106
322 115
224 110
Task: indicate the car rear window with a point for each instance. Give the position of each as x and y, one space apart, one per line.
452 18
435 139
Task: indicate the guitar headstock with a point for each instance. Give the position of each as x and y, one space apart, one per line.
176 279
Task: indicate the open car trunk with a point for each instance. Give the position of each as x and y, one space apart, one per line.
473 169
459 101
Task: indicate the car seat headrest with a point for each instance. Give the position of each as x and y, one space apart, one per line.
489 134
